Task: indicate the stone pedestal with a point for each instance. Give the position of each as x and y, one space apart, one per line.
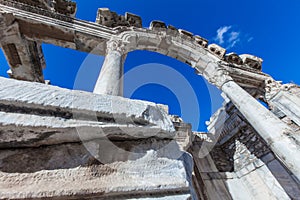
110 80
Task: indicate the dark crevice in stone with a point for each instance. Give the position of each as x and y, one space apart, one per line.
76 115
18 144
35 111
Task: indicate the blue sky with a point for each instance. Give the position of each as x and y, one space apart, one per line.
268 29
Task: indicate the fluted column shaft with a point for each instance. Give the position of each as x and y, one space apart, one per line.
110 80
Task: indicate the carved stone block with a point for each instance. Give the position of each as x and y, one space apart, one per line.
106 17
172 30
158 25
64 7
185 33
133 20
233 58
201 41
112 19
217 50
252 61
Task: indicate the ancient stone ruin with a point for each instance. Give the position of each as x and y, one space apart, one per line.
62 144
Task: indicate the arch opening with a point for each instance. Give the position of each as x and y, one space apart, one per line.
199 99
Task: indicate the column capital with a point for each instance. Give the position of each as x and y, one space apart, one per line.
115 45
216 74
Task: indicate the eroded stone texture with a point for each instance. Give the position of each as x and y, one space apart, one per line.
61 178
252 61
64 7
203 42
35 114
158 25
217 50
55 146
233 58
25 57
112 19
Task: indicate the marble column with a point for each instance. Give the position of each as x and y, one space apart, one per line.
269 127
110 80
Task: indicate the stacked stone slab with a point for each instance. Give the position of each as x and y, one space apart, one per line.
55 144
63 144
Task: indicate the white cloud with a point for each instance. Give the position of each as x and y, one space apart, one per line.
233 43
229 37
250 39
233 36
220 33
233 39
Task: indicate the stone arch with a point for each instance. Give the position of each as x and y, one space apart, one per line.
192 50
182 48
210 62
